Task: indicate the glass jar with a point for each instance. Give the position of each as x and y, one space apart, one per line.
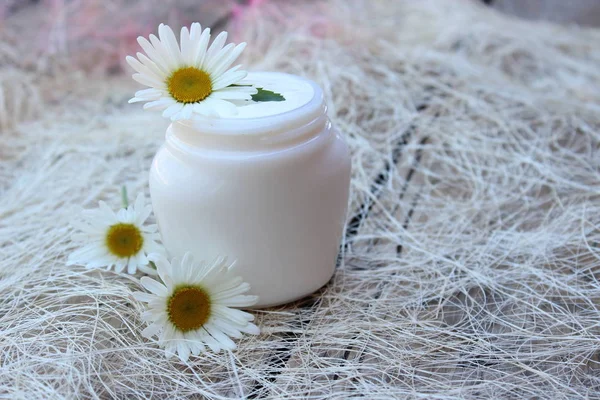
267 188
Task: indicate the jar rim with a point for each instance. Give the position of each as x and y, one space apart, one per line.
314 109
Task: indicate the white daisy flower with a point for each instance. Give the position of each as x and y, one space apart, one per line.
120 240
191 78
191 309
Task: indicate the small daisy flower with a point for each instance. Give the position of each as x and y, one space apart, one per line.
190 78
191 309
120 240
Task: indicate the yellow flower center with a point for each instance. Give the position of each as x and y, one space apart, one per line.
189 85
189 308
124 240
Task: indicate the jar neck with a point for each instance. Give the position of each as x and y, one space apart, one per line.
270 138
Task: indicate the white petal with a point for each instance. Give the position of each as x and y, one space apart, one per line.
251 329
160 104
152 315
163 267
226 61
122 215
217 272
183 350
142 214
172 110
176 116
154 55
228 78
199 52
142 69
142 211
110 214
148 81
195 343
142 259
187 267
195 32
236 316
214 48
153 286
219 286
239 301
184 42
135 64
151 330
201 270
167 37
120 265
132 265
230 292
212 107
88 251
225 108
226 327
105 261
205 108
164 53
210 341
140 99
177 274
167 334
217 58
146 269
153 66
231 95
150 228
86 254
240 87
185 113
131 214
139 202
143 296
170 350
220 337
148 94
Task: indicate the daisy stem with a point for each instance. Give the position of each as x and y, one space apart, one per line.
124 197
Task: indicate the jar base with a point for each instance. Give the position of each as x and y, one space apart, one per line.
293 299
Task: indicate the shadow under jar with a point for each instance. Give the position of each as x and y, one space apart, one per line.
268 188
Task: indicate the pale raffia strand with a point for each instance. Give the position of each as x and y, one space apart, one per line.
471 264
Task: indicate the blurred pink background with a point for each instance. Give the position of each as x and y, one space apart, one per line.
97 34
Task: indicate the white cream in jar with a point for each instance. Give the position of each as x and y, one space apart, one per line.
268 188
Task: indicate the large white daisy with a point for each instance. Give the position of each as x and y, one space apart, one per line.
192 308
190 78
116 239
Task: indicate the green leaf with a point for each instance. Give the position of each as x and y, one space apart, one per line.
266 95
